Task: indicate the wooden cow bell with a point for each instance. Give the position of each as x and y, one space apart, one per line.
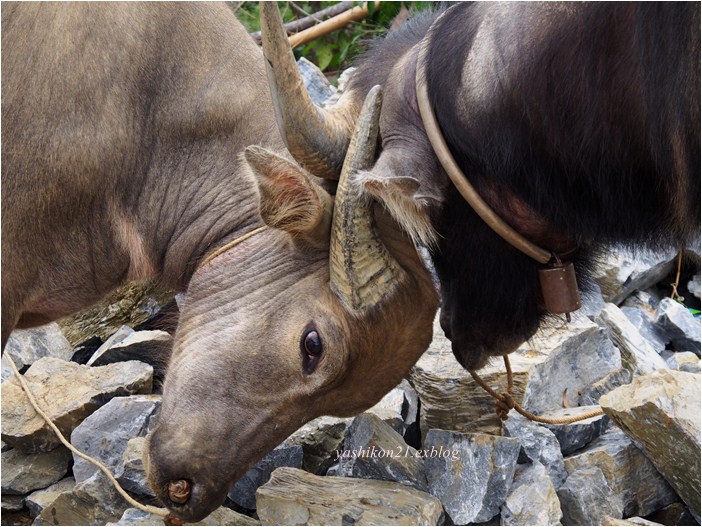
559 288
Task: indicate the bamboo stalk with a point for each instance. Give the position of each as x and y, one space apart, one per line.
304 23
331 25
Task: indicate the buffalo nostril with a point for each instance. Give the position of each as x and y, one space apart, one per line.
179 491
171 519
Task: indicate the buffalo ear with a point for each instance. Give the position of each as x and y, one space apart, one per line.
290 199
406 201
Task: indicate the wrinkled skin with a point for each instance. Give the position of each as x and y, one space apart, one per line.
228 349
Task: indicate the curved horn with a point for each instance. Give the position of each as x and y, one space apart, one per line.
316 138
362 270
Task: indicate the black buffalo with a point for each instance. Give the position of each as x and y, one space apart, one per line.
578 123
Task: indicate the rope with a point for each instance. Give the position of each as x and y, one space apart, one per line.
504 402
231 244
674 293
454 172
23 383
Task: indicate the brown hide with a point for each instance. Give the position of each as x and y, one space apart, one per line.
121 128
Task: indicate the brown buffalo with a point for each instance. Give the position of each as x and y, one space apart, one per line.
123 158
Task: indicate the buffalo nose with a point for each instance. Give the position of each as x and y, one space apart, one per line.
179 491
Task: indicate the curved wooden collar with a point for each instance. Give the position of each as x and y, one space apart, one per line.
438 143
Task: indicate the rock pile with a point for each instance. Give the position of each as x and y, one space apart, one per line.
430 452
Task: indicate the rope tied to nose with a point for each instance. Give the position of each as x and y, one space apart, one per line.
27 390
504 402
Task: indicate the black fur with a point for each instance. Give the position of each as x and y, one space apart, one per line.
583 133
593 128
374 66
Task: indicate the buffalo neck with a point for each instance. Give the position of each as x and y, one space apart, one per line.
206 211
196 192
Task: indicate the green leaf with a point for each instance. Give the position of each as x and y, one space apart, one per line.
324 57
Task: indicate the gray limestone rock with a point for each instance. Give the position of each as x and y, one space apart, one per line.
373 450
622 272
26 346
316 83
568 358
539 445
643 322
389 409
118 336
68 393
23 473
647 301
410 405
295 497
37 501
676 361
678 325
70 508
674 514
243 493
592 302
137 517
532 499
131 304
690 367
634 520
132 474
586 498
471 474
633 482
591 395
12 502
661 412
225 516
221 516
450 398
335 470
133 345
100 494
320 440
399 408
574 436
582 356
637 354
341 85
105 434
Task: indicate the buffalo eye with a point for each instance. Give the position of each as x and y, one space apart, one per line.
311 347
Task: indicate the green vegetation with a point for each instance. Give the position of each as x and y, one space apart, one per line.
333 52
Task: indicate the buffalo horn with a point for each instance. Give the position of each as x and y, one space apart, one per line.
315 137
362 270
